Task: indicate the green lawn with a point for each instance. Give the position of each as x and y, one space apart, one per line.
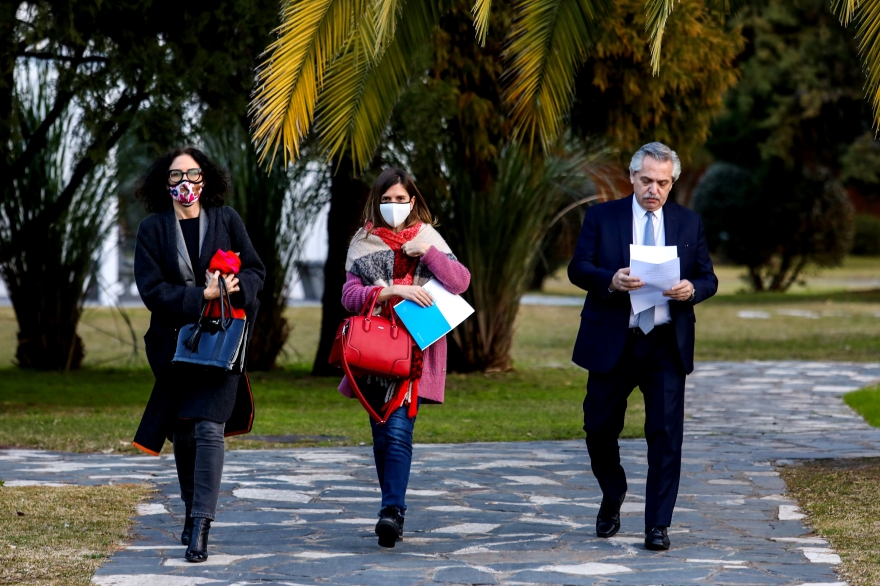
866 402
98 408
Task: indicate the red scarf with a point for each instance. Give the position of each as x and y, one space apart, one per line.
403 274
404 265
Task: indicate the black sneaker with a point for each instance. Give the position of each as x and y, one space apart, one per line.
390 526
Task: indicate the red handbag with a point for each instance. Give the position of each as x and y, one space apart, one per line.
368 344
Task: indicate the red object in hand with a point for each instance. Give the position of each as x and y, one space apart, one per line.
228 263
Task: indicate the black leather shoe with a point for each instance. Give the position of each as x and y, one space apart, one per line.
198 546
656 538
186 535
399 539
390 526
608 519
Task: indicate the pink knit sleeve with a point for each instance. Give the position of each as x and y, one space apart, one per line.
354 293
454 276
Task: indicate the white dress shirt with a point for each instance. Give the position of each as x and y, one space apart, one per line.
661 310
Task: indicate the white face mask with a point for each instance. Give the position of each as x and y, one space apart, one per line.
394 214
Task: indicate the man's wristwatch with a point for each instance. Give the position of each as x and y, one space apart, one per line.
693 295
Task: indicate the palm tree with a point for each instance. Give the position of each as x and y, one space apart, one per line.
338 66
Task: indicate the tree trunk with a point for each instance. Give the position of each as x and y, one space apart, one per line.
348 195
756 279
8 47
46 296
271 328
47 338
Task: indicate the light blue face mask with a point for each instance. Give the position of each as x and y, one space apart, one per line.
394 214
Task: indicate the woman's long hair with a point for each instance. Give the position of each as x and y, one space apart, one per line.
152 187
385 181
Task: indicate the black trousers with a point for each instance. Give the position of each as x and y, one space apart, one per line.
650 362
198 454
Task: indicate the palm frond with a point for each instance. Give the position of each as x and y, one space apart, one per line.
867 16
658 13
312 33
481 11
844 9
548 41
386 14
362 88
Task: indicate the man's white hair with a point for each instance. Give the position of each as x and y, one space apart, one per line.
657 151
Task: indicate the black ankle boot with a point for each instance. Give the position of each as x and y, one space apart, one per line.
198 546
390 526
186 535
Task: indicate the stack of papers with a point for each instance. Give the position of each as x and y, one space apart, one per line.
428 324
659 268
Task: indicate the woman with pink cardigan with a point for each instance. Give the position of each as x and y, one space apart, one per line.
396 251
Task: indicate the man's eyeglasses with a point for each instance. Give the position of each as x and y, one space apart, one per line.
175 176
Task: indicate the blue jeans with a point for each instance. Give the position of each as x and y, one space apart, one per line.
392 449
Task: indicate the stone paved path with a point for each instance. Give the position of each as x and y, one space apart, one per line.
512 513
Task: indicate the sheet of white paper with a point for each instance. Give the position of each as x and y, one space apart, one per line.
662 276
454 308
654 254
642 300
657 276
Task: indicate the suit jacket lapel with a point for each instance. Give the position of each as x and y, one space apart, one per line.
176 242
670 225
207 228
625 225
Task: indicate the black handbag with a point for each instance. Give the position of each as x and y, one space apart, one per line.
214 342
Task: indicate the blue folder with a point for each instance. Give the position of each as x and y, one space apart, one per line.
425 324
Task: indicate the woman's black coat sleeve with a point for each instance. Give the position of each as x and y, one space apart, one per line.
253 272
161 297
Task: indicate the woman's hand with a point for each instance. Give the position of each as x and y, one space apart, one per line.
413 293
415 248
212 290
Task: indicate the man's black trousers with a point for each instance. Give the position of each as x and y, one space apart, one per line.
650 362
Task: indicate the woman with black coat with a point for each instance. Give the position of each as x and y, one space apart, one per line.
195 407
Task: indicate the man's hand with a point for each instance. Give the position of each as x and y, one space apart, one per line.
680 292
623 282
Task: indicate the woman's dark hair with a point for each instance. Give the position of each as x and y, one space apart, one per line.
385 181
152 187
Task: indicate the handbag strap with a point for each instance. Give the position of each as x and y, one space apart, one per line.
367 312
357 392
370 301
224 303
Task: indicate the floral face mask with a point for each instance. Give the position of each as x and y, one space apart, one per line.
186 193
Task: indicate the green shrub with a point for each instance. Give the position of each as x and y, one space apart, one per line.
866 240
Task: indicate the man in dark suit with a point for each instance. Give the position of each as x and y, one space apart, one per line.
653 350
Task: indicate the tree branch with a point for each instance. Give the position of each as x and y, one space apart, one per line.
105 137
65 93
53 57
